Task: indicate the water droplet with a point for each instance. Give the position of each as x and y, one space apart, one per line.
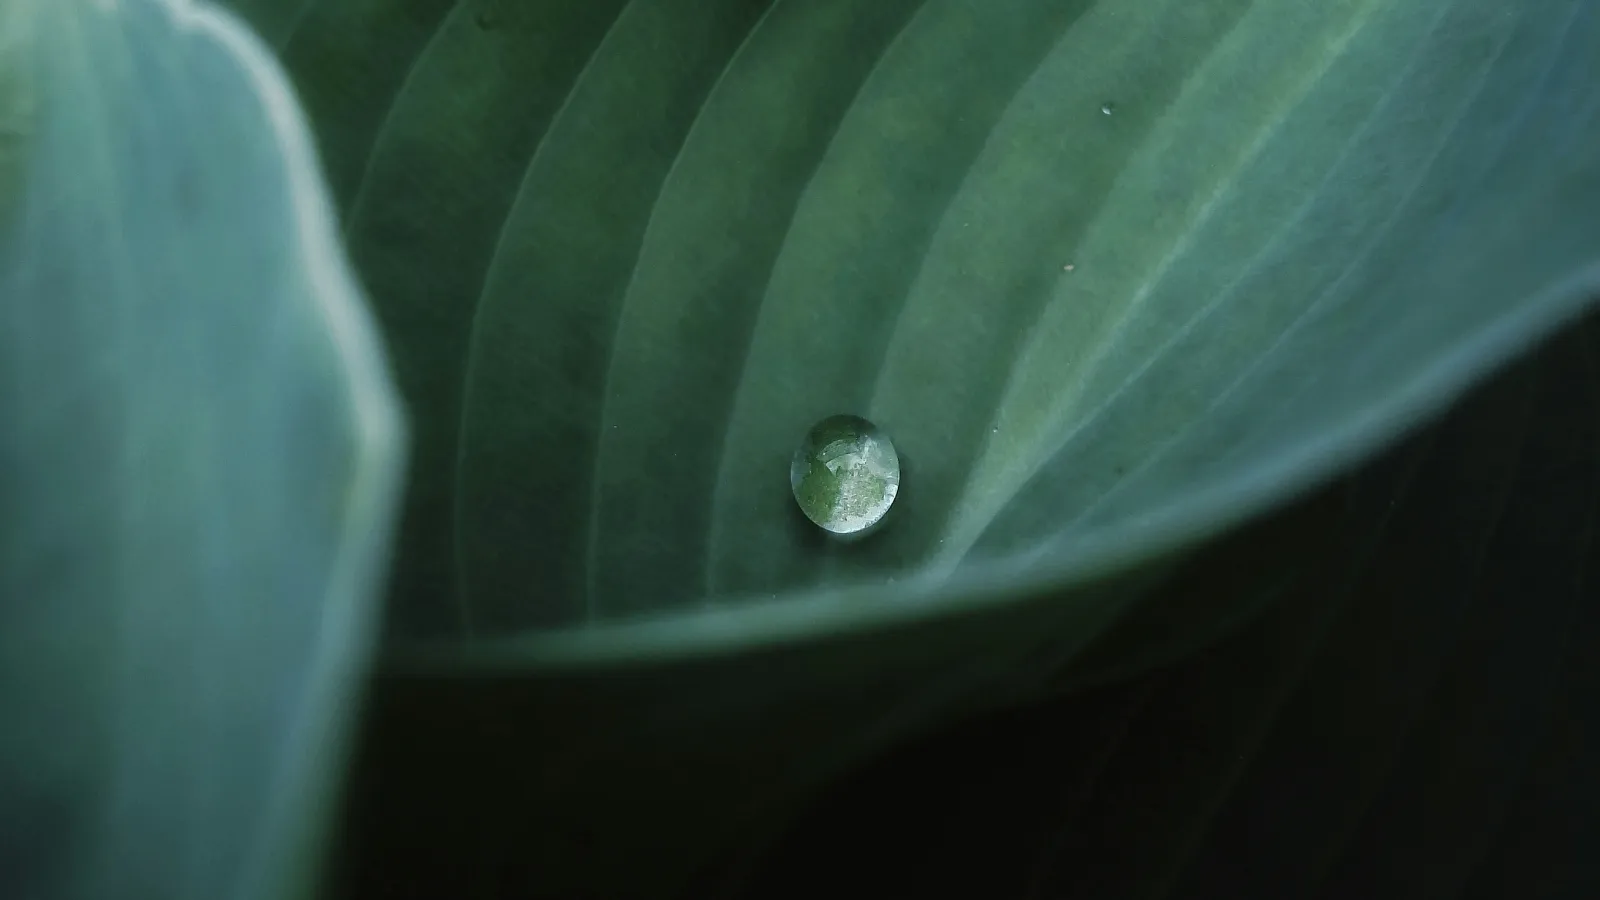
1107 108
845 475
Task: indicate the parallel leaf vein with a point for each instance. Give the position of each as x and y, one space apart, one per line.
591 601
387 123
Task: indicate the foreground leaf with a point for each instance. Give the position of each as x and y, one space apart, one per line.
198 464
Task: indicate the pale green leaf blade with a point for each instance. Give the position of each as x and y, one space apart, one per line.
199 465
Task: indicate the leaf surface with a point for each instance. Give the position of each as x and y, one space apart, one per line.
1113 274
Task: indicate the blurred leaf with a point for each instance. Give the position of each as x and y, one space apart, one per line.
198 466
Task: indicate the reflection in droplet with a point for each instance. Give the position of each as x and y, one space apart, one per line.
845 475
1107 108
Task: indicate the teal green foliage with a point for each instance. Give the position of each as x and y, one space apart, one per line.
199 462
623 253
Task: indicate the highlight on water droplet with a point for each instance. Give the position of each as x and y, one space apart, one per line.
1107 108
845 475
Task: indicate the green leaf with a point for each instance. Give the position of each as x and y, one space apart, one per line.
199 464
1113 276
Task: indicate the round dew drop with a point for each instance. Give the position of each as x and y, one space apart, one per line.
845 475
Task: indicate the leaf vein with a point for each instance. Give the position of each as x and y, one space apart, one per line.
1098 355
718 487
591 602
474 322
1300 318
360 195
